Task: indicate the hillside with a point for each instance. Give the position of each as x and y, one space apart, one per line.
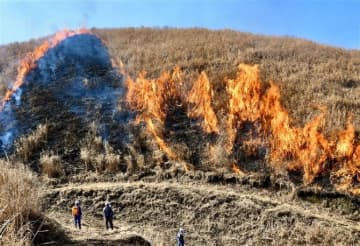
309 73
234 136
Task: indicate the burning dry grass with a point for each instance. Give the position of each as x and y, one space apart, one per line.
306 149
308 73
154 98
19 190
151 98
303 144
200 99
29 61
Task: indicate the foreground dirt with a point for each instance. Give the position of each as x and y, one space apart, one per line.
151 212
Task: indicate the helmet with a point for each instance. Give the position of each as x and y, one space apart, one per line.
181 231
107 203
77 202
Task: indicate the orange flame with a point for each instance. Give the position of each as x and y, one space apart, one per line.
313 150
237 170
350 171
306 148
244 100
345 144
159 140
199 99
300 148
151 99
30 61
349 174
276 120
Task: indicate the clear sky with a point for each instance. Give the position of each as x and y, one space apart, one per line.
333 22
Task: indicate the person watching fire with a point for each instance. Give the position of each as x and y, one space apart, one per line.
77 213
108 216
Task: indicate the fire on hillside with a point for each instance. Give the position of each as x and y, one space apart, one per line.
29 61
306 149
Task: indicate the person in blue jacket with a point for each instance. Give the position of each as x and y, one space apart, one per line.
180 241
108 215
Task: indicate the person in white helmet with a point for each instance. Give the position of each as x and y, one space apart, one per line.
108 216
77 213
180 241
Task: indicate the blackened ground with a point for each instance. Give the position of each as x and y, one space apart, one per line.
250 148
185 136
73 85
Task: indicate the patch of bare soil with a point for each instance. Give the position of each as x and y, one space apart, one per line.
211 213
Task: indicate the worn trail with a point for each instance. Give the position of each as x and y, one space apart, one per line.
151 212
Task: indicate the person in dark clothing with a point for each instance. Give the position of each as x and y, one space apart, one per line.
77 213
180 241
108 215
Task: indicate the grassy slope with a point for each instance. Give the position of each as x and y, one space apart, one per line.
310 74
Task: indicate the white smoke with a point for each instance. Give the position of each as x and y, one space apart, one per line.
6 138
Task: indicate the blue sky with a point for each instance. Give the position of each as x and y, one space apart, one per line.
333 22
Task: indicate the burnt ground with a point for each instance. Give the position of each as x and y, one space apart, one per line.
214 209
73 85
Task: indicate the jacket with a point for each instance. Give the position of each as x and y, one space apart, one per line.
108 213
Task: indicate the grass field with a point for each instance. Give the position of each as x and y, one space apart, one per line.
153 198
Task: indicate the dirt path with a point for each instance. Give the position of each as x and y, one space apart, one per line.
92 228
223 215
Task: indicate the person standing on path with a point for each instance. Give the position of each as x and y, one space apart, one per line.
180 241
108 216
77 213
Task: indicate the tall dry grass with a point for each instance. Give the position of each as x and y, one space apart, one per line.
19 192
27 144
51 165
97 154
309 74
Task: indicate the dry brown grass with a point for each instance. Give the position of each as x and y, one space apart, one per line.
10 56
19 191
27 144
309 74
97 154
51 165
211 214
